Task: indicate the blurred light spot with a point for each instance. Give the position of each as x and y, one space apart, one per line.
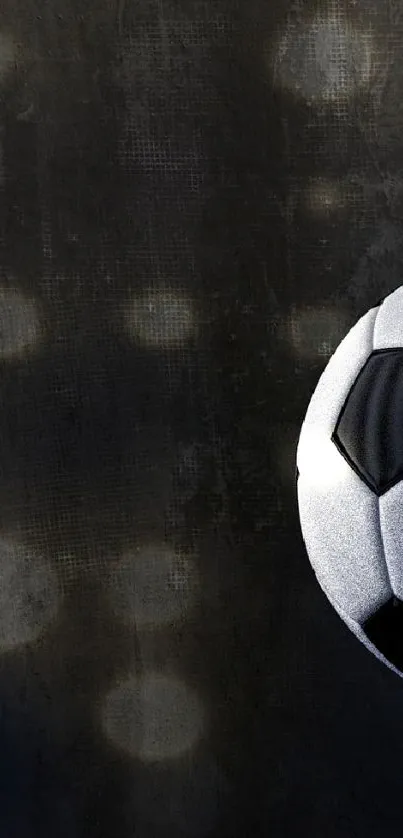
29 596
328 58
325 196
153 717
325 467
8 54
315 333
161 318
152 586
19 323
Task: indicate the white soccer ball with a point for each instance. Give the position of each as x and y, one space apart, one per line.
350 480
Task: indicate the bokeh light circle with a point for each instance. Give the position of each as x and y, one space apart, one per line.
153 717
160 318
326 59
313 333
20 327
323 196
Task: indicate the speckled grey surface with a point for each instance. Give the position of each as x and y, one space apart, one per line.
388 328
390 511
353 538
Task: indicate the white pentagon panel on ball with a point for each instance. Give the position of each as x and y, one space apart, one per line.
388 330
338 512
390 515
340 525
329 397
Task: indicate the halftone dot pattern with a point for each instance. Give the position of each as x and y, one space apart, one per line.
171 55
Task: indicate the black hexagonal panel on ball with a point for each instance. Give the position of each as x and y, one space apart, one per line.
369 431
384 630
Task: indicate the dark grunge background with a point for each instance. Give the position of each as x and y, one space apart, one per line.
197 201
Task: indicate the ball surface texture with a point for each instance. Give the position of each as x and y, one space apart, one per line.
350 480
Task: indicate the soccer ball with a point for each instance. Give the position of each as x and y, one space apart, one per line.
350 480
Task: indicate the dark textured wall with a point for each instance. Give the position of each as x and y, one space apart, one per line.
196 201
